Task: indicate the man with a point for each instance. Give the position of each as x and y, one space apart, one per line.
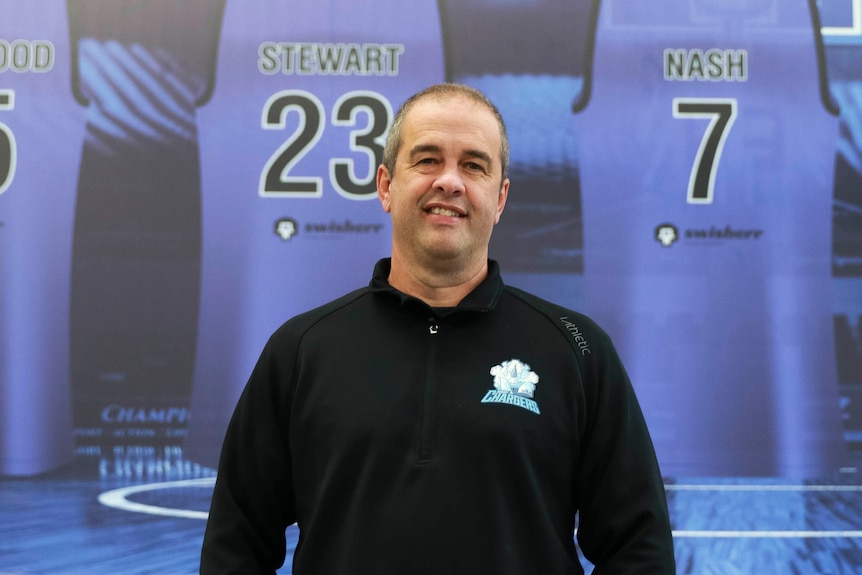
439 422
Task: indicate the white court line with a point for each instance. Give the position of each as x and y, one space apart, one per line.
116 499
714 534
755 487
678 534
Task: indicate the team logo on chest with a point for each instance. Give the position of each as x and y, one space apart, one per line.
515 384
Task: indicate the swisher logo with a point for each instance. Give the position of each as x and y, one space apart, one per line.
668 234
287 228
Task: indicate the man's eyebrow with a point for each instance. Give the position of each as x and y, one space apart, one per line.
423 149
479 154
435 149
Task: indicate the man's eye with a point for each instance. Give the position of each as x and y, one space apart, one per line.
475 166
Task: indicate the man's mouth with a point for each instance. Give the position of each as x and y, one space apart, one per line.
445 212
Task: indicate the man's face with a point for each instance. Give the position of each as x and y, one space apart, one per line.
447 192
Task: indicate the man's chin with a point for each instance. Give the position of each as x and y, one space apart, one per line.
450 256
445 251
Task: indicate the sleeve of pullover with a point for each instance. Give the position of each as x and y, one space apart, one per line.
252 503
624 527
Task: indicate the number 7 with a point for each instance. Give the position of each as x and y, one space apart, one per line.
722 113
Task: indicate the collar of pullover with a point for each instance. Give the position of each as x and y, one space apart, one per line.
484 296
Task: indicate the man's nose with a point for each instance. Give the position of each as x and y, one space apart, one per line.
449 180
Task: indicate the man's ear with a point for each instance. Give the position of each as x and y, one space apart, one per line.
384 181
501 199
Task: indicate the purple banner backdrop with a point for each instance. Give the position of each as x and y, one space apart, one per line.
179 178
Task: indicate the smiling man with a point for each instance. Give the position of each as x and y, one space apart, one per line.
444 182
438 421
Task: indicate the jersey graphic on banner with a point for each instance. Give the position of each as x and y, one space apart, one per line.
842 34
707 154
533 82
290 145
41 128
141 69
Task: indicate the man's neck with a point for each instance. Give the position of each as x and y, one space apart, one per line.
441 286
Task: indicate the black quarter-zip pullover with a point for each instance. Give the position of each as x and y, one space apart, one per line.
407 440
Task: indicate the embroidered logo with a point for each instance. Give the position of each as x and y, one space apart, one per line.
514 383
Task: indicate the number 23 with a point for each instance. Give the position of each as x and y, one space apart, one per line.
276 180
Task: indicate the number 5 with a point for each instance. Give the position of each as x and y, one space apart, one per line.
722 113
8 154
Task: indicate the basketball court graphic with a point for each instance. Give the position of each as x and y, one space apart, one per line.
146 514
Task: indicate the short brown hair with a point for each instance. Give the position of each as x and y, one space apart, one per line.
440 91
